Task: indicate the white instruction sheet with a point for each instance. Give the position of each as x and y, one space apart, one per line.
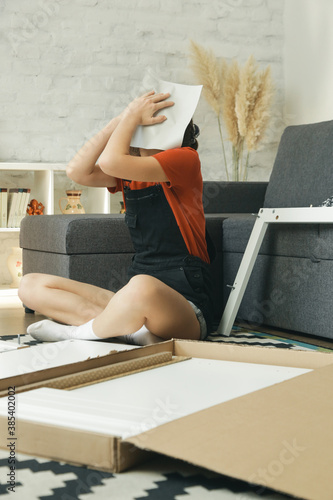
170 133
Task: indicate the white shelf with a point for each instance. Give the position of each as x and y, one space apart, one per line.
48 182
32 166
43 188
9 229
41 182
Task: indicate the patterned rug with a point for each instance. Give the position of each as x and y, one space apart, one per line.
240 335
158 479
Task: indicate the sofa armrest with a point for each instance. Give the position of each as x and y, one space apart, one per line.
76 234
233 197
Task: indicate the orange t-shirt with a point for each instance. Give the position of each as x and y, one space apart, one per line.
184 195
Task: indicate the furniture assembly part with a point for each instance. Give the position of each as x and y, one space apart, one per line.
306 215
112 425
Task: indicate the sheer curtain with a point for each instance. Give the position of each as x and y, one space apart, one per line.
308 60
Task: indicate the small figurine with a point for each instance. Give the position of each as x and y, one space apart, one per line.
35 208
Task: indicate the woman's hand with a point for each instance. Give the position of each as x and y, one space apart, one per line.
115 160
144 108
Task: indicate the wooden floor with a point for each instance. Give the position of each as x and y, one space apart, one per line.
13 319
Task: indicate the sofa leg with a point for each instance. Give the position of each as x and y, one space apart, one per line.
28 311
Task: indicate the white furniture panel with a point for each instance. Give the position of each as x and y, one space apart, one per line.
135 403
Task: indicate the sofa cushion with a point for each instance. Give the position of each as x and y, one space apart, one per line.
104 270
312 241
302 171
85 234
220 197
285 293
76 234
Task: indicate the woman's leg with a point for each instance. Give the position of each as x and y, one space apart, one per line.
144 302
67 301
148 301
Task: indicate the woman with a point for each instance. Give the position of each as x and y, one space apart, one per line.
168 292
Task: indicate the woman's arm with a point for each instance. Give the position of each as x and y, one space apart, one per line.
116 160
83 168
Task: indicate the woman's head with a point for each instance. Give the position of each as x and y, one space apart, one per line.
190 136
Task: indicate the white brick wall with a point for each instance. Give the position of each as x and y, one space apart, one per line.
67 67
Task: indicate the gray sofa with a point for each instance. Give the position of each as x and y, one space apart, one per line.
97 249
290 284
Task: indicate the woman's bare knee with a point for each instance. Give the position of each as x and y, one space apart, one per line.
30 286
167 312
142 288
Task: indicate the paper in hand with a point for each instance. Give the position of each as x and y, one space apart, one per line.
170 133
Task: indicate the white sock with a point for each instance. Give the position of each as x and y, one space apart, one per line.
141 337
50 331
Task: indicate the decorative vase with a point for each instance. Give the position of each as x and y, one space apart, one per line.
14 264
73 203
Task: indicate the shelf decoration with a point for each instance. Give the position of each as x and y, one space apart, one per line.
73 205
35 208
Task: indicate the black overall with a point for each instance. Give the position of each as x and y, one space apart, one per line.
160 250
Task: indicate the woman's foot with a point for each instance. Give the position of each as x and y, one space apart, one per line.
50 331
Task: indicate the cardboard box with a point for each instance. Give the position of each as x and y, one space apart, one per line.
279 436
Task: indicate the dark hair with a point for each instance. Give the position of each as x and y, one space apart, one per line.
190 136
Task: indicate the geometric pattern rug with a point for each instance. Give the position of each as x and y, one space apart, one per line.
160 479
241 335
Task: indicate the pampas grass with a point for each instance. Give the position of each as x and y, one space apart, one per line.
205 64
210 71
241 97
230 87
260 115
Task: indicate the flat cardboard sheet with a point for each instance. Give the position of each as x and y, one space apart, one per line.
279 437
